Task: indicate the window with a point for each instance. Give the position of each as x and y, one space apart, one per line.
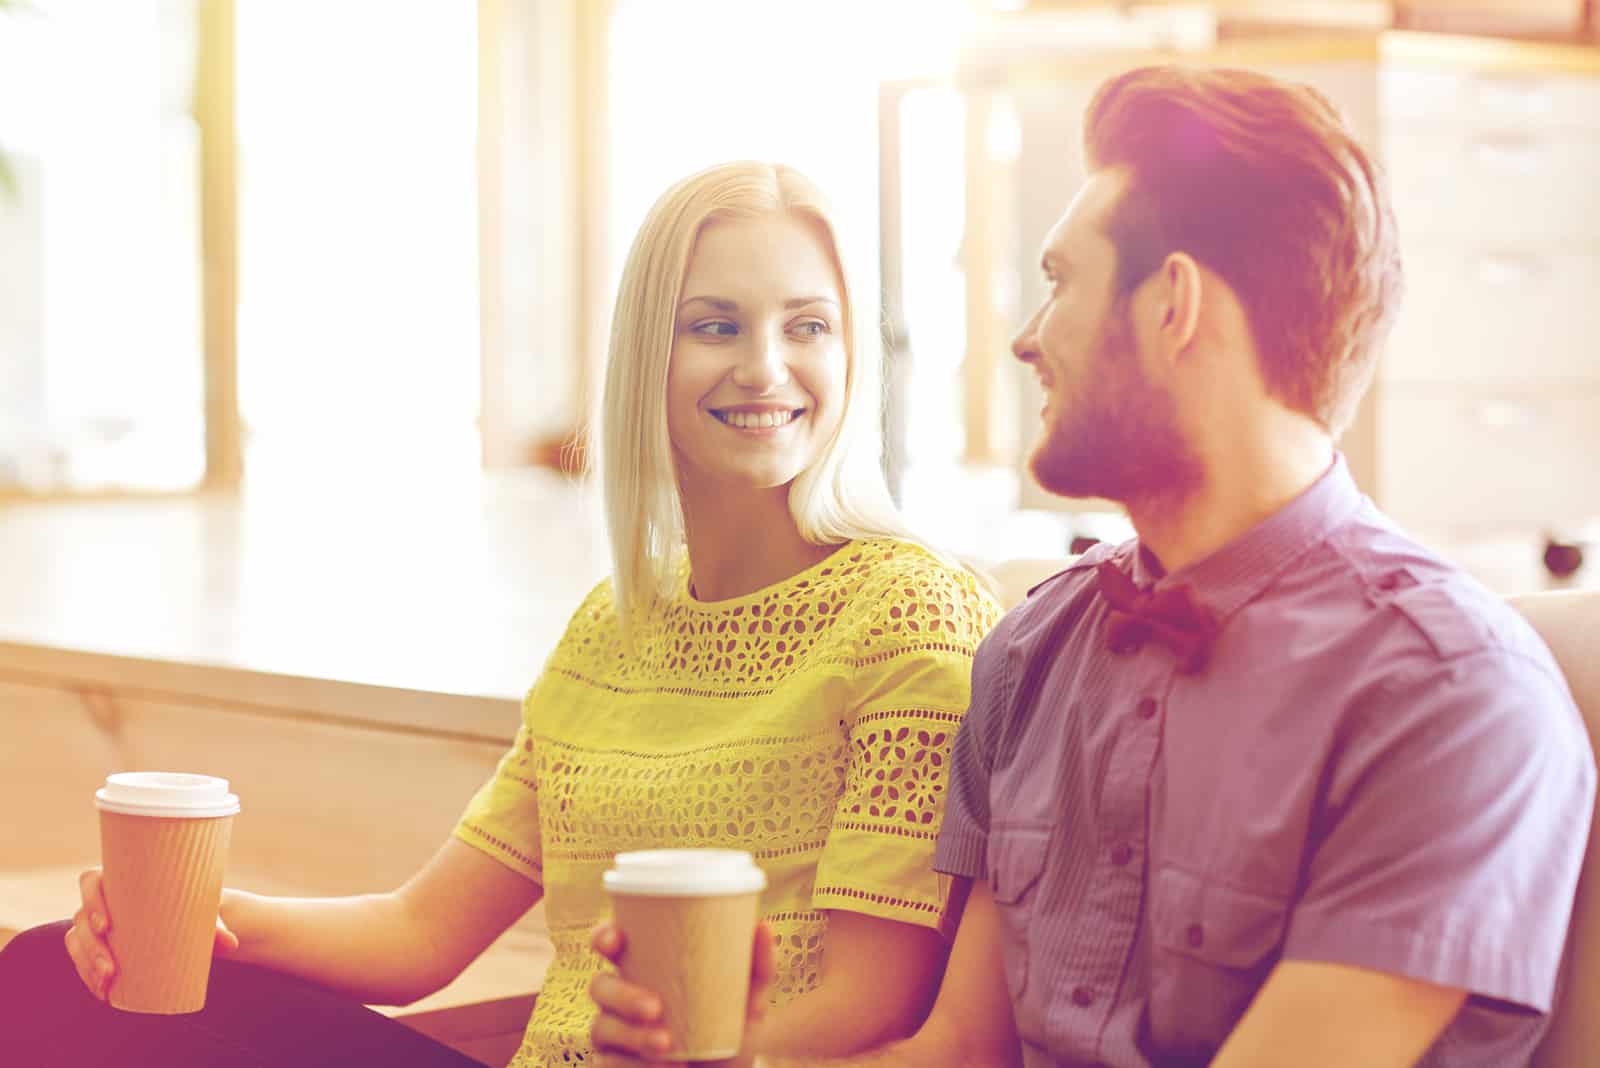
100 362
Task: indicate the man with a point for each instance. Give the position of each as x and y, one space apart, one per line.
1270 784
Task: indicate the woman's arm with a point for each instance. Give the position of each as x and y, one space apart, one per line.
877 983
391 948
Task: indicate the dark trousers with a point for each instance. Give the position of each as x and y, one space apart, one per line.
253 1017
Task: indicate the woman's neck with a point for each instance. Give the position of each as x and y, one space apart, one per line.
742 542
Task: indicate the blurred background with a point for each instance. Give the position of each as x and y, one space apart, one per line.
303 304
310 249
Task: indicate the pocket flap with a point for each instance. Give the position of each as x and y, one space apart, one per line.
1016 860
1213 923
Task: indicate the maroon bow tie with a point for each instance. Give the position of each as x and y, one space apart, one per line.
1172 617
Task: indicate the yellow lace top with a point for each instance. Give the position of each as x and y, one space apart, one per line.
809 723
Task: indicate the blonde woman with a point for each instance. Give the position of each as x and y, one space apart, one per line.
773 665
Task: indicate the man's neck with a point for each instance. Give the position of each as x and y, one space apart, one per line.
1238 492
742 541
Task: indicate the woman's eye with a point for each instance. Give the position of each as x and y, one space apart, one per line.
811 327
715 328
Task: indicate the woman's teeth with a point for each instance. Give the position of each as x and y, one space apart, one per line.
756 420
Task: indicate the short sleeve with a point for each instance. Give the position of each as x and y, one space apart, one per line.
964 836
1453 832
911 688
502 819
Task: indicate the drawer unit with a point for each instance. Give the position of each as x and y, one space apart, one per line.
1522 186
1475 100
1462 457
1506 16
1481 313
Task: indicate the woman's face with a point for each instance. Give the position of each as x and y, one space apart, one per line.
756 383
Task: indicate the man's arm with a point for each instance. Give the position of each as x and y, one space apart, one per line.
1313 1014
970 1026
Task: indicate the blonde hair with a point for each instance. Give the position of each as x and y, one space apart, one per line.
841 496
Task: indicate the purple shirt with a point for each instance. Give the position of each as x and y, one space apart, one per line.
1380 766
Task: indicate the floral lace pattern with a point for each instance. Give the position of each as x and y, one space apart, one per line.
810 724
779 792
751 644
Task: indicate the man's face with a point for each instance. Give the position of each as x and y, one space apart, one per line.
1107 429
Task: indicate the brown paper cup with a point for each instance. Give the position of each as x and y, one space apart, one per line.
689 938
162 879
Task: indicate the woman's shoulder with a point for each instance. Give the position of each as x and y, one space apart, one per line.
593 626
909 592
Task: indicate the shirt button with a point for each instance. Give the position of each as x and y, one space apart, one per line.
1082 997
1121 853
1195 935
1147 708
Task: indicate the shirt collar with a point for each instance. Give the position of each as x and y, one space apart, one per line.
1235 574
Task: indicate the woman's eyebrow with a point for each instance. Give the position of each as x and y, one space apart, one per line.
716 302
723 305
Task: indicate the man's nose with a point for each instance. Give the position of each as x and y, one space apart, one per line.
1025 346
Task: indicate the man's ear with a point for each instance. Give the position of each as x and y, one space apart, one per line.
1179 292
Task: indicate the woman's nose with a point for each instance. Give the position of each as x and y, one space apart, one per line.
763 367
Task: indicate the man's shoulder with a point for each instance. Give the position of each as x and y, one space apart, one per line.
1393 590
1055 590
1028 621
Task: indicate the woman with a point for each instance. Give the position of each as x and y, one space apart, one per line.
773 665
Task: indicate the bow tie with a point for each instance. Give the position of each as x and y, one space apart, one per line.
1172 617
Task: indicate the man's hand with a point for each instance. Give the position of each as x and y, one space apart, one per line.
626 1032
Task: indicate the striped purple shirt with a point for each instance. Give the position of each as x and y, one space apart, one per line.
1380 766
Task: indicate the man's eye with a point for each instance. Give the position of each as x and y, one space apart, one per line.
715 328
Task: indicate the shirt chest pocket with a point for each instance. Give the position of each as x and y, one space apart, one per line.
1213 947
1017 856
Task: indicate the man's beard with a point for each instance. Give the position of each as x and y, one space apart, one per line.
1117 436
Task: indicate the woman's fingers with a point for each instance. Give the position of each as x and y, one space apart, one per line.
86 938
629 1003
90 957
760 972
91 890
606 940
226 941
625 1022
613 1035
620 1060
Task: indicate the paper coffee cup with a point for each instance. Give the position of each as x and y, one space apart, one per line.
163 845
689 917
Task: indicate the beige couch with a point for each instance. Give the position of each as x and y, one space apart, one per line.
1569 622
1570 625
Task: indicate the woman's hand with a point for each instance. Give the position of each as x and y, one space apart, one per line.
86 939
625 1032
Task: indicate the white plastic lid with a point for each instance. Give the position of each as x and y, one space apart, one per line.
685 872
166 793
